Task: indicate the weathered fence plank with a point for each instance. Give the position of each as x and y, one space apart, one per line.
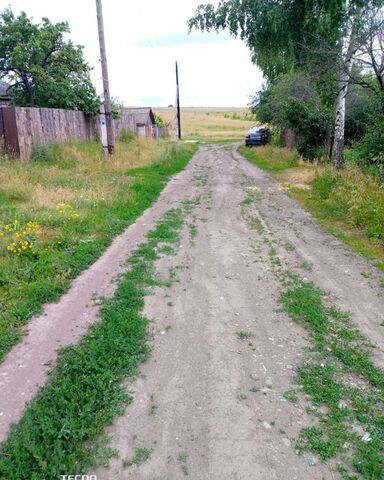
11 139
22 128
33 126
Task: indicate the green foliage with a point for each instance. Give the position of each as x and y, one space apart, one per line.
353 420
362 112
291 101
44 68
272 159
127 137
60 430
305 40
142 454
44 152
279 34
370 151
159 122
354 197
116 107
69 243
309 121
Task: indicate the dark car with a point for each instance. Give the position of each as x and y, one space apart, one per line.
257 136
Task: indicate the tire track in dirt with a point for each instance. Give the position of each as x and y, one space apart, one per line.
210 402
26 366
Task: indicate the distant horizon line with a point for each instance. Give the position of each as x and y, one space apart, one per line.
202 106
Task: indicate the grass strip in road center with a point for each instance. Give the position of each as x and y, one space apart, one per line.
340 376
61 432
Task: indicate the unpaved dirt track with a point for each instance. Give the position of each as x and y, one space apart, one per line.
209 404
26 366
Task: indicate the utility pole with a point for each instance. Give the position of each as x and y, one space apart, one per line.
104 69
178 103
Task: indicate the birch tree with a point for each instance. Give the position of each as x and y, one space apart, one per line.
348 51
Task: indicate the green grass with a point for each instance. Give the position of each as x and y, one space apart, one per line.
182 458
244 335
105 197
62 429
354 408
291 395
142 455
193 231
269 158
350 205
246 201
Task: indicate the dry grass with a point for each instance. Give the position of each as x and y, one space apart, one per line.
211 124
298 178
270 158
60 210
350 203
82 174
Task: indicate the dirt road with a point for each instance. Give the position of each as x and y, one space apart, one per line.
210 402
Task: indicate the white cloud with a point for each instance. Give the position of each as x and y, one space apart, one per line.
143 41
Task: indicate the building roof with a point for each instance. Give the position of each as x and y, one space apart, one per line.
4 89
141 114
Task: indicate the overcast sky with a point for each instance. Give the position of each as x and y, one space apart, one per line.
144 38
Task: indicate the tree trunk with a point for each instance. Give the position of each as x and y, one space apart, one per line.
338 143
28 91
347 64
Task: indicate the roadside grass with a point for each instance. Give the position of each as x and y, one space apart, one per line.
349 203
270 158
211 125
61 210
351 206
62 430
340 375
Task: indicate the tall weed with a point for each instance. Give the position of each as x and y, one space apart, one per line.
353 195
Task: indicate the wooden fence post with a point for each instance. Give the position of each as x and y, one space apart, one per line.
10 133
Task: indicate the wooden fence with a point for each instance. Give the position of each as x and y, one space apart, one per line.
22 128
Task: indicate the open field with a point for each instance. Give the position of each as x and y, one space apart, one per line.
211 124
60 211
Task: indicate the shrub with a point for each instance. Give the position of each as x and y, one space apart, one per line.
127 137
45 152
292 101
370 151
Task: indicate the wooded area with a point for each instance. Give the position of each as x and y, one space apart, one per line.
324 67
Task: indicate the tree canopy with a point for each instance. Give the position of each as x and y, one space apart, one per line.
42 67
309 52
277 32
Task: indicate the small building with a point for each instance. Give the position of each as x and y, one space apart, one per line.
139 120
5 96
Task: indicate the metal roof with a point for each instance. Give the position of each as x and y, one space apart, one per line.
141 114
4 89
